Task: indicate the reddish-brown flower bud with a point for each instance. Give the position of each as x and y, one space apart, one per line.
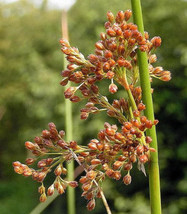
128 166
43 197
131 42
109 172
99 46
58 170
119 136
117 175
29 145
91 205
95 162
106 66
64 82
143 119
103 36
37 140
146 34
50 190
66 50
46 134
135 123
41 189
148 139
140 150
152 58
110 74
40 176
16 163
92 146
41 164
155 122
127 34
89 196
91 174
62 144
83 179
18 169
108 54
113 88
69 92
136 113
111 32
143 158
87 186
73 184
110 16
127 14
64 42
111 62
133 158
84 115
127 179
148 124
60 189
109 131
117 165
156 41
141 107
120 16
128 125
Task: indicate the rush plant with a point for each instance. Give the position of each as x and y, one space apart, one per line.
117 148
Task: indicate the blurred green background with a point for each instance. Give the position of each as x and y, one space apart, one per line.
30 97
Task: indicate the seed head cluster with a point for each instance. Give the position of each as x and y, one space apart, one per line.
117 148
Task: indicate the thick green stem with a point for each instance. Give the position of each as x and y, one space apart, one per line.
69 127
154 178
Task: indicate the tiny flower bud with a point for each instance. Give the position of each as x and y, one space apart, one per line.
58 170
73 184
43 197
111 32
113 88
29 145
127 14
50 190
95 161
91 205
127 179
110 16
148 139
143 158
156 41
92 146
91 174
99 46
60 189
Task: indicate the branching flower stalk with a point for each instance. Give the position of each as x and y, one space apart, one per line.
116 149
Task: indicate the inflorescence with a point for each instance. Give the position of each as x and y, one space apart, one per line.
115 149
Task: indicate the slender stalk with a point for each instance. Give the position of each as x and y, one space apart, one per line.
68 125
154 178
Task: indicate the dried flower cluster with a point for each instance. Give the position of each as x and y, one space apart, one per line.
115 150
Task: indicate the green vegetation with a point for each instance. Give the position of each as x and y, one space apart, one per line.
30 97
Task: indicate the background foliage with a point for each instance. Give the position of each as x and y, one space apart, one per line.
30 97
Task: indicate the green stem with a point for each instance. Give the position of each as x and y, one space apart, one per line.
154 178
69 127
